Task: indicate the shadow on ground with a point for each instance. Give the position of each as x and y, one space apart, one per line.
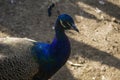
26 27
109 8
91 53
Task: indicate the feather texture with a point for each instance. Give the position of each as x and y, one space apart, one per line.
26 59
16 60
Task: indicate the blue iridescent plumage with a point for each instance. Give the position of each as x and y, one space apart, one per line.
51 57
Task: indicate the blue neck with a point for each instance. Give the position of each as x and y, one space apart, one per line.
60 32
60 44
60 36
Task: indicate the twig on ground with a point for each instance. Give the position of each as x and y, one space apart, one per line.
74 64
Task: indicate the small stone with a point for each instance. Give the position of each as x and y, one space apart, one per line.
103 68
98 10
12 1
93 78
101 2
113 19
103 77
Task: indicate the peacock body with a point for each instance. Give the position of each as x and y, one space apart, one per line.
25 59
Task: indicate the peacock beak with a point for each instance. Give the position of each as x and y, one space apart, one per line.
74 28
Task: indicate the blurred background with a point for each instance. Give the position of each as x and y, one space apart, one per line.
95 50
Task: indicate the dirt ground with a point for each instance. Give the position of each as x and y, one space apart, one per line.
95 50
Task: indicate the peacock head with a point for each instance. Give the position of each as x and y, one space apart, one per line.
66 22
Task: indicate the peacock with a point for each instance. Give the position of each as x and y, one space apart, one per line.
26 59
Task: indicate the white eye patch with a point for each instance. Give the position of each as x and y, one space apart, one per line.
61 22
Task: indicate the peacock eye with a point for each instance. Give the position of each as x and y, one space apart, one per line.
65 24
69 24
